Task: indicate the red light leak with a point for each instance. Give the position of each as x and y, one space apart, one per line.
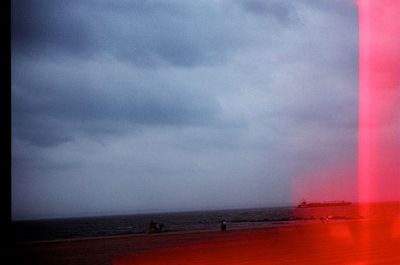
379 109
379 100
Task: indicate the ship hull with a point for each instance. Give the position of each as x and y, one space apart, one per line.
311 205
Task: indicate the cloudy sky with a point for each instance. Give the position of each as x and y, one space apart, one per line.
156 105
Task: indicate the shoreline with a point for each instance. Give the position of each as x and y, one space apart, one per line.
270 225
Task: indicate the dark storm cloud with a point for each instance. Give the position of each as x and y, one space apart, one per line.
89 28
47 110
48 27
145 33
75 100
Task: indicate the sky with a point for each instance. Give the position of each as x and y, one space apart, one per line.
157 106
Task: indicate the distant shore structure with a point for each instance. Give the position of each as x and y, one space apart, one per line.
305 204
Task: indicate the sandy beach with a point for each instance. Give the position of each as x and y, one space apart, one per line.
355 242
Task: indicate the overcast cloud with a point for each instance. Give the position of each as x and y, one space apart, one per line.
141 106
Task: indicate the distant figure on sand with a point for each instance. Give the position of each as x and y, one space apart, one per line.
155 227
152 227
223 225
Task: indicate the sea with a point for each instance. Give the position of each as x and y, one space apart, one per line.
100 226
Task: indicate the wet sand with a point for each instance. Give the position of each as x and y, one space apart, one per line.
355 242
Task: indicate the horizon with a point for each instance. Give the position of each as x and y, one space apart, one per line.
115 214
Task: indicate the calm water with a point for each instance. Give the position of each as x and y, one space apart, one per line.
187 221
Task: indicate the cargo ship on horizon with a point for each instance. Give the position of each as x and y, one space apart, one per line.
305 204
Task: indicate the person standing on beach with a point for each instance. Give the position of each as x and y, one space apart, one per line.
152 227
223 225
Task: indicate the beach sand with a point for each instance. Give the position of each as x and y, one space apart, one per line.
353 242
